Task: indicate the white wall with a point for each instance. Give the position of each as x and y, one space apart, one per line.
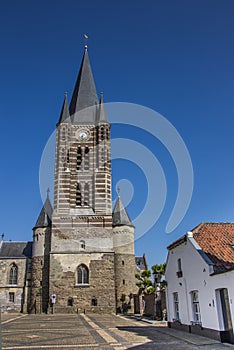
196 277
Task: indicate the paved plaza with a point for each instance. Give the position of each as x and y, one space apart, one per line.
95 332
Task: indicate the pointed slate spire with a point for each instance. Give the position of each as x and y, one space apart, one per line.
64 115
45 216
120 216
84 94
102 118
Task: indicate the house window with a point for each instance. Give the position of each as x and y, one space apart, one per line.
179 271
123 282
176 306
11 297
83 274
195 306
13 275
82 244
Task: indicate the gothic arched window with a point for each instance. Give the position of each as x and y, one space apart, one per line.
79 158
86 194
86 159
78 194
82 274
13 274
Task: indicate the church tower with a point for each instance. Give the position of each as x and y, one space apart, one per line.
82 273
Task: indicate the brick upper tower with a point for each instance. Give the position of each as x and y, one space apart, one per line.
83 171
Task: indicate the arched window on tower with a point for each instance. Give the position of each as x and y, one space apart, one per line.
103 156
86 159
63 133
68 156
78 194
79 158
82 244
86 194
107 134
102 133
62 154
82 274
69 134
13 274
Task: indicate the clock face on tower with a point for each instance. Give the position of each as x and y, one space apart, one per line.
82 134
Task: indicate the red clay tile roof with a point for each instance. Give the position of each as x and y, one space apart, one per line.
216 240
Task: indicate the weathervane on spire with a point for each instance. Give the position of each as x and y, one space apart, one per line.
85 41
48 192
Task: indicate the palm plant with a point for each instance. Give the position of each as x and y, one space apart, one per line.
144 283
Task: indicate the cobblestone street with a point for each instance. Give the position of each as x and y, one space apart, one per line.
94 332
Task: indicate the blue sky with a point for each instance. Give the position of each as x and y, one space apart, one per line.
175 57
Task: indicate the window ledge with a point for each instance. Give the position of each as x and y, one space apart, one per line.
196 323
176 320
179 274
13 285
83 285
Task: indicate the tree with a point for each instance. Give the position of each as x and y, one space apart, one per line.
159 272
145 284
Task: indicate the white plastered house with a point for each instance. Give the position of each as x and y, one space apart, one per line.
200 281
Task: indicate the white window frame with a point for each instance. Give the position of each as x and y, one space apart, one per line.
176 306
195 307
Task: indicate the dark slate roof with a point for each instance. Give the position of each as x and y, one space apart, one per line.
45 216
216 241
16 250
120 216
141 262
84 95
102 118
64 115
